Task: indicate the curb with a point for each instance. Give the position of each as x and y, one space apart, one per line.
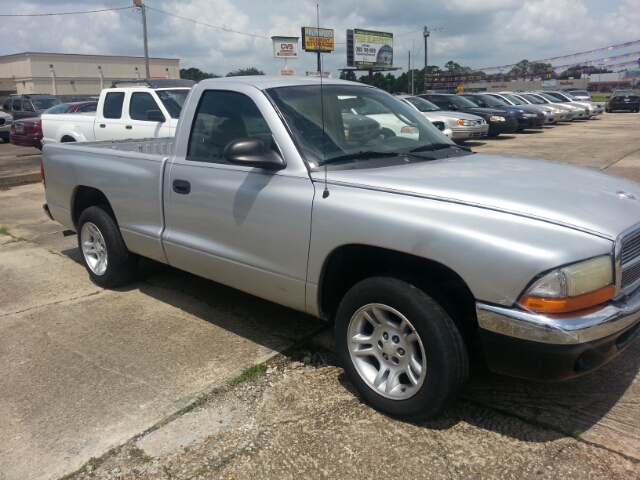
21 179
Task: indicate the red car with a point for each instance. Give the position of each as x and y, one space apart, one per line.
27 132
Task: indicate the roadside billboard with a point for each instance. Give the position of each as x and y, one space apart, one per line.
317 39
368 48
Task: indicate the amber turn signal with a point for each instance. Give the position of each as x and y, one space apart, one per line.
568 304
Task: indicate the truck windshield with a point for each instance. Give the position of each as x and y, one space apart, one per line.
352 122
173 100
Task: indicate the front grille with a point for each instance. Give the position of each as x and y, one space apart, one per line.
1 121
630 260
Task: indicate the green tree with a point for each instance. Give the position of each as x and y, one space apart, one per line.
348 75
452 66
243 72
525 68
196 74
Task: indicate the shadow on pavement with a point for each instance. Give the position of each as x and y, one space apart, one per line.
593 402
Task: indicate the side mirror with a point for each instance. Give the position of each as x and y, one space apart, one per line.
250 152
155 116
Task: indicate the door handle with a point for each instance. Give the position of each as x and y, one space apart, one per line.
182 187
102 125
128 127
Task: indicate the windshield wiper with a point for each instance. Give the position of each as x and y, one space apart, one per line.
359 155
430 147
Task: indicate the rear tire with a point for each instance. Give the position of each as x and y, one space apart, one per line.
104 253
400 349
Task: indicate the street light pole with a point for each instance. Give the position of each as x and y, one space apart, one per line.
141 6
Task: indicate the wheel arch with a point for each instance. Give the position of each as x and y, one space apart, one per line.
85 197
350 264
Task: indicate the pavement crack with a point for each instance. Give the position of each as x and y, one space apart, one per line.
57 302
106 369
620 159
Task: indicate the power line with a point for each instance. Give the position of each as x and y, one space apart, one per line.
65 13
207 24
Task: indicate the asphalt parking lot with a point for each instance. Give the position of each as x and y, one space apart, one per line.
154 380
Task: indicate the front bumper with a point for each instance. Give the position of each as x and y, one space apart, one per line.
472 131
530 122
510 125
28 140
556 347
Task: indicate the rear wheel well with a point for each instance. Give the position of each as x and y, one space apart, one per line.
86 197
67 139
351 264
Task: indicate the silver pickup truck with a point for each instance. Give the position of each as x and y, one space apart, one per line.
427 256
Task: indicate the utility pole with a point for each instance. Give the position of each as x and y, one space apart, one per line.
141 6
425 34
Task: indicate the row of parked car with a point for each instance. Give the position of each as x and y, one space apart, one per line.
460 117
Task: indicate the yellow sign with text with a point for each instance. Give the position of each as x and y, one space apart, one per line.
317 39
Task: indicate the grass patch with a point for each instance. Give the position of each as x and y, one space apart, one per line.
17 239
4 230
599 98
139 455
248 373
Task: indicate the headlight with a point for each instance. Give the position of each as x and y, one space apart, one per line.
527 115
571 288
466 123
496 119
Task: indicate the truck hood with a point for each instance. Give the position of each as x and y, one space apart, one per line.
574 197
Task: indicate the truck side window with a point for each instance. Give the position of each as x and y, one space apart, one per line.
113 105
17 105
141 103
7 104
222 117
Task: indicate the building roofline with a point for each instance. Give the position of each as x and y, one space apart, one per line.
83 55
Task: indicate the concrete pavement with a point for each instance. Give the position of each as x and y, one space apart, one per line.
137 378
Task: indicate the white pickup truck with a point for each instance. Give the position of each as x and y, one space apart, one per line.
427 256
122 113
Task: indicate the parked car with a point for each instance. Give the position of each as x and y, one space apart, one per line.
526 117
562 113
86 106
548 112
28 105
623 100
464 126
580 112
580 94
428 257
27 132
594 108
6 120
499 121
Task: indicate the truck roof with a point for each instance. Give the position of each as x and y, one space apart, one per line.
270 81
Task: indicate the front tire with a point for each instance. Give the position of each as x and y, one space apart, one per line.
104 253
400 348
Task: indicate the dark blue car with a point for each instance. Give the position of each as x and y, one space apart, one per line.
527 117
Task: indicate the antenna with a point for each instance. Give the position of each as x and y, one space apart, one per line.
325 193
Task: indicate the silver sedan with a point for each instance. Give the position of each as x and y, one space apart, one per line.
463 125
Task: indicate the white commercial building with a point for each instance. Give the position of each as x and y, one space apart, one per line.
72 74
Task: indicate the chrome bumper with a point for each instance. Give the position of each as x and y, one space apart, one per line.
561 329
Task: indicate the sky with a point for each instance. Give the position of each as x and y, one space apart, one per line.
475 33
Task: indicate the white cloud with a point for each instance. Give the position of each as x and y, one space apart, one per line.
478 33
